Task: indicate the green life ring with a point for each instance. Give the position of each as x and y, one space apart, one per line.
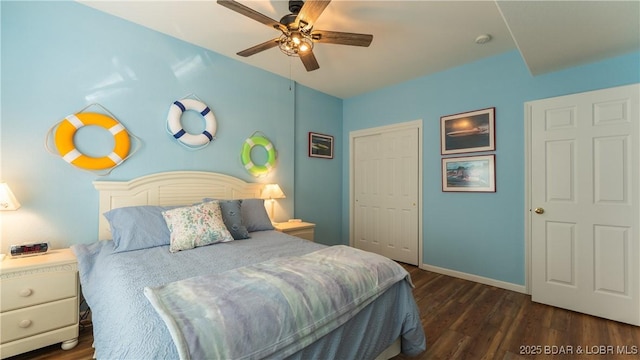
245 157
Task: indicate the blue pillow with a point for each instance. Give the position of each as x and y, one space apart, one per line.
138 227
232 218
254 215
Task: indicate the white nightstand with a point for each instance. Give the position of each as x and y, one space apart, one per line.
39 304
303 230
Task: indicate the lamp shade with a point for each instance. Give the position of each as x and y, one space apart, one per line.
272 191
7 200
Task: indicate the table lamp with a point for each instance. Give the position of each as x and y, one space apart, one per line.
8 201
270 192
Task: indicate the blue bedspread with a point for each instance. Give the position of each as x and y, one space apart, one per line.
275 307
126 325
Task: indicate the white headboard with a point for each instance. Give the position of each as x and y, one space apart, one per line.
169 188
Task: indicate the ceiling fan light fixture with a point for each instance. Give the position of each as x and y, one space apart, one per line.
295 37
294 43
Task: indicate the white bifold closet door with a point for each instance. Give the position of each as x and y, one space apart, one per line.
385 186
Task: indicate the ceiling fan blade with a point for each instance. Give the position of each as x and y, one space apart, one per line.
342 38
310 12
258 48
248 12
309 60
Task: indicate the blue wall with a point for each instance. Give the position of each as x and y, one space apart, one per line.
477 233
58 57
319 180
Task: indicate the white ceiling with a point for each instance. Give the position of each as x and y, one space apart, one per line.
411 38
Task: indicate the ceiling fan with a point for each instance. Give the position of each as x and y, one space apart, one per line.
298 35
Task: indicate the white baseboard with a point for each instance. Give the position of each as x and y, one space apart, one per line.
479 279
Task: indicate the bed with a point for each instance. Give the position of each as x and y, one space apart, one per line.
141 289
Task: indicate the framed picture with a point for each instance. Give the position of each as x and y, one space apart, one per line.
470 173
468 132
320 145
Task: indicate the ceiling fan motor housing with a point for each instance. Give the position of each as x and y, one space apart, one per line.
295 6
289 21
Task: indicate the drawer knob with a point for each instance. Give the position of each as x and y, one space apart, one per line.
25 292
25 323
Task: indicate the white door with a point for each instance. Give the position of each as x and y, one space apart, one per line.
585 159
385 178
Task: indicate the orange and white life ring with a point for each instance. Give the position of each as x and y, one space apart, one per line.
66 148
175 127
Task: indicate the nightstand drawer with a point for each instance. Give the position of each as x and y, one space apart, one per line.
306 234
38 319
35 289
301 229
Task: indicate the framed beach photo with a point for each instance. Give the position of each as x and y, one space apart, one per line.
468 132
469 173
320 145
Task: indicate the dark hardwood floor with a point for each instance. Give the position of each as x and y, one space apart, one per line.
467 320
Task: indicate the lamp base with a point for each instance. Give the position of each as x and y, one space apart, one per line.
271 211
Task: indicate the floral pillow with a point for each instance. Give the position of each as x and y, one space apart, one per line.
194 226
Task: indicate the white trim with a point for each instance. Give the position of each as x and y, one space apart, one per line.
527 196
387 128
415 124
475 278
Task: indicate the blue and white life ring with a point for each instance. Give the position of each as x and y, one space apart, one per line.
175 126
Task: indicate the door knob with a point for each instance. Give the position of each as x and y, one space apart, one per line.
538 210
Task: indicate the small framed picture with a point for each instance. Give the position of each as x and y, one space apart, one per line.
469 173
320 145
468 132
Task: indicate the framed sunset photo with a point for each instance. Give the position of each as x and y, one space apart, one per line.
468 132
